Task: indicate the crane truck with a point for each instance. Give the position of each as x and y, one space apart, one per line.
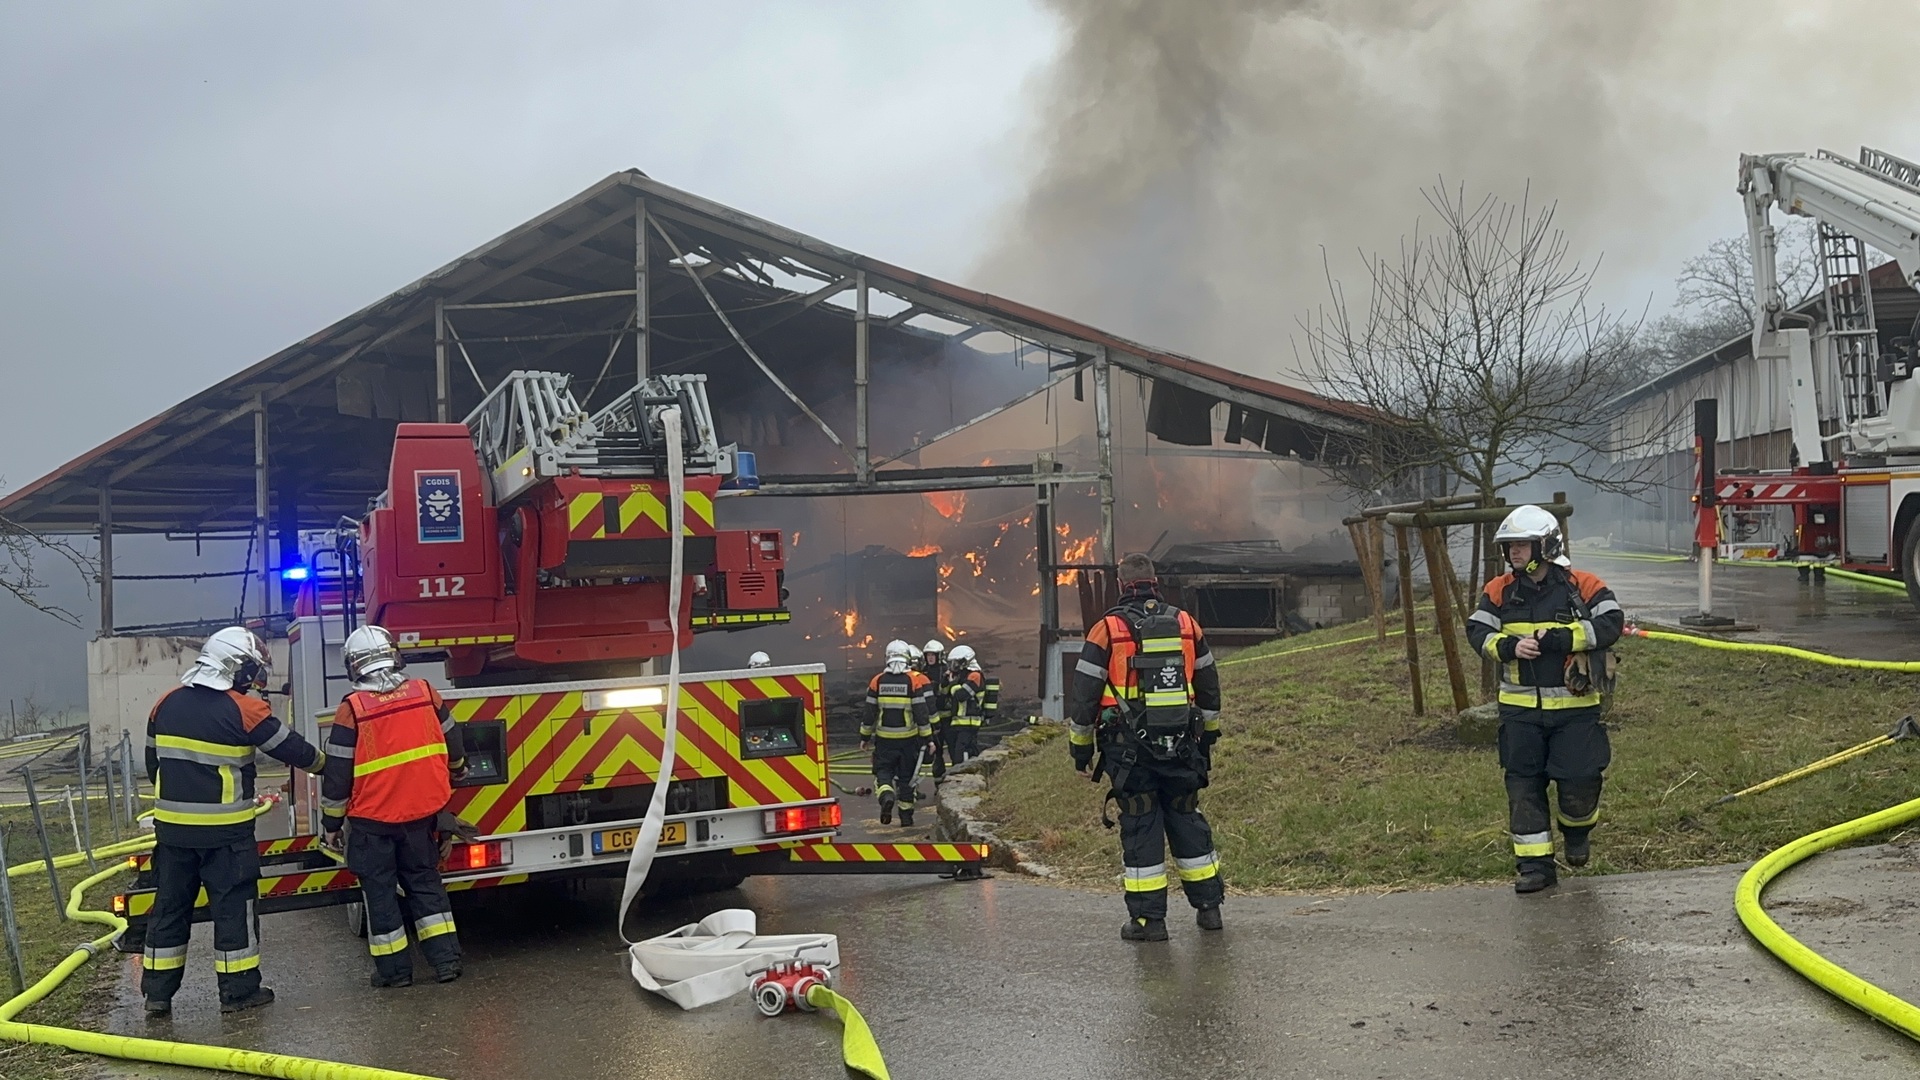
521 559
1854 494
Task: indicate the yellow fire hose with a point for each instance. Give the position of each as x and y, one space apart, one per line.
1834 979
162 1051
1905 729
1909 666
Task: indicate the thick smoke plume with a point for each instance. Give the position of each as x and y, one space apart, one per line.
1194 159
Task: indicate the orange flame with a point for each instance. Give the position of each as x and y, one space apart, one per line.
1064 530
850 620
976 561
923 551
948 504
1079 550
946 570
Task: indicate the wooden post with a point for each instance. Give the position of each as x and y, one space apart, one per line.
1370 577
1440 574
1406 609
1377 541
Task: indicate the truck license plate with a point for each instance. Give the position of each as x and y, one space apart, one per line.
672 833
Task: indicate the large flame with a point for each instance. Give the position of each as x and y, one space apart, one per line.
923 551
849 621
948 504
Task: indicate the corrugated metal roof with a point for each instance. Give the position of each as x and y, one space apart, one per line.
332 398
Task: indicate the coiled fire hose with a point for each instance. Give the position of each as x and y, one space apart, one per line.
1883 1006
721 955
163 1051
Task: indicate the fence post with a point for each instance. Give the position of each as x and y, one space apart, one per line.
46 845
1412 630
18 966
86 794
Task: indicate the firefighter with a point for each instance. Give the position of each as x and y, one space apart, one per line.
1146 700
759 660
967 702
1549 627
392 757
897 727
201 738
933 664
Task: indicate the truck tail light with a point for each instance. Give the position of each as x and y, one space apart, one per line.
120 904
482 856
798 819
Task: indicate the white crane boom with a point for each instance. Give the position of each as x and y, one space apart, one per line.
1875 200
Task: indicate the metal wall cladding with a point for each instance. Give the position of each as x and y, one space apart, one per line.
1868 523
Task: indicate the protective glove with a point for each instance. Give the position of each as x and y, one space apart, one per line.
1082 756
334 840
1208 738
1558 640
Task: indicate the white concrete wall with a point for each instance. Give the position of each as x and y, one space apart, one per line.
126 675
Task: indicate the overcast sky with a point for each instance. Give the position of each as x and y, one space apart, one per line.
186 188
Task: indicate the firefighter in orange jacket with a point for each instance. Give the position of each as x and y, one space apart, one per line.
1548 626
392 756
201 739
1146 697
899 727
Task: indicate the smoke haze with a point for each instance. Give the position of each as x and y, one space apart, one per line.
1192 160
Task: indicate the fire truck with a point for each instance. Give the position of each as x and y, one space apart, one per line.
1854 497
522 559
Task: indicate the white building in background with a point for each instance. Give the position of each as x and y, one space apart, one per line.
1654 422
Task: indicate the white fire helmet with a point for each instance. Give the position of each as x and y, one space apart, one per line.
1531 523
934 648
232 659
899 655
373 659
963 654
759 659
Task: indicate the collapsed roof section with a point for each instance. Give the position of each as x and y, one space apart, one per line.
802 343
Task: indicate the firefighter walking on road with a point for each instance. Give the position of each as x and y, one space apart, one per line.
392 757
933 664
966 703
1549 627
1146 700
201 739
897 726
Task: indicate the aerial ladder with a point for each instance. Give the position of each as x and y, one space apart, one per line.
1854 494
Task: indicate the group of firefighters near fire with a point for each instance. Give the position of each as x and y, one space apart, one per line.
1143 714
926 706
387 773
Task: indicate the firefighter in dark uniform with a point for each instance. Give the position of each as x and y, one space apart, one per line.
1549 627
1146 699
966 703
201 739
897 727
933 664
392 756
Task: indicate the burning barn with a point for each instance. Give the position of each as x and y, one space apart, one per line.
941 462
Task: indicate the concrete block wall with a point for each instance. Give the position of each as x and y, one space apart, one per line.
126 675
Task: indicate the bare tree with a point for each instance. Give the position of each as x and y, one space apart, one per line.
21 578
1483 345
1713 302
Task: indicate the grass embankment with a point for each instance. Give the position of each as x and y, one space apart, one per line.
47 939
1326 780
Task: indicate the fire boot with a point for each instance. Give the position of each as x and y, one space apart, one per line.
886 808
1535 880
906 818
1579 849
262 996
1208 918
1144 930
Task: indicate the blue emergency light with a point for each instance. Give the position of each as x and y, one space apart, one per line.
296 572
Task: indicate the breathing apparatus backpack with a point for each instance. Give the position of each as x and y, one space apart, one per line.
1160 716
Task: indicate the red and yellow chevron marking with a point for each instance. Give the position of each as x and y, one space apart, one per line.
639 514
298 884
486 882
858 853
556 745
289 845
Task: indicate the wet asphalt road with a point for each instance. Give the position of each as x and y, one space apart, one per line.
1770 603
1620 977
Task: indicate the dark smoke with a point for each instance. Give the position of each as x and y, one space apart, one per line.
1193 159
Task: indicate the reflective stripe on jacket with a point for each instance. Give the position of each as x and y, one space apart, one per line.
899 706
1104 666
1513 607
200 751
390 756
